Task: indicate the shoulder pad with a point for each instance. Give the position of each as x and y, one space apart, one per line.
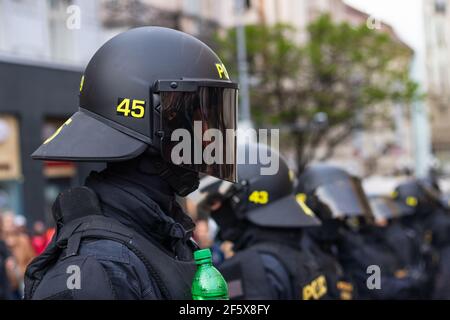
71 279
75 203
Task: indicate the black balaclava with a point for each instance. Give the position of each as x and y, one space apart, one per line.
255 234
182 181
230 226
235 228
159 179
136 194
328 233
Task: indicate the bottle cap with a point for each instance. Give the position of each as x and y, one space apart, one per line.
204 254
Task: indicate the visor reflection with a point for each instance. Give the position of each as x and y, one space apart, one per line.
344 198
208 118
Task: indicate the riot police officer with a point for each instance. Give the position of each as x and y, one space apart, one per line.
123 235
262 218
429 217
339 201
403 241
318 242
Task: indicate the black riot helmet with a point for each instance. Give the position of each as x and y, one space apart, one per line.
385 208
264 200
137 90
332 193
418 196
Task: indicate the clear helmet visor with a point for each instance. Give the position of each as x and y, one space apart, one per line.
200 130
344 198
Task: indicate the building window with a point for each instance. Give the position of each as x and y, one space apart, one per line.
10 167
61 38
192 7
440 6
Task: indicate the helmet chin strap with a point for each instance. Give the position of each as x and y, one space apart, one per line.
181 180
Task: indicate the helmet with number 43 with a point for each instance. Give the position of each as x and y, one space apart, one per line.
265 200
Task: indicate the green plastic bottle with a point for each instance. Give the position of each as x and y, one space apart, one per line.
208 283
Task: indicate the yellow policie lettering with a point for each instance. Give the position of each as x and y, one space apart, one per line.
81 83
316 289
222 71
401 273
346 290
344 285
259 197
137 108
58 131
301 198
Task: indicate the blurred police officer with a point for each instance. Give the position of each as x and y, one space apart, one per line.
319 242
429 217
263 219
403 241
123 235
339 201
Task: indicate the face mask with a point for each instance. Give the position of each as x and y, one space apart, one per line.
327 233
181 180
230 227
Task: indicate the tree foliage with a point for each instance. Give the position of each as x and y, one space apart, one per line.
351 74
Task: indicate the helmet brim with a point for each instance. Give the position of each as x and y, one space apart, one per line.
283 213
84 138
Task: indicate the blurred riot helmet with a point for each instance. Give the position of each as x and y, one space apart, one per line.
262 200
332 193
385 209
418 196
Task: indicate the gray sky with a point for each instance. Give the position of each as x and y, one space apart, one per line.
404 15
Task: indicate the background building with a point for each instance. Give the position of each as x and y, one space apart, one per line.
437 35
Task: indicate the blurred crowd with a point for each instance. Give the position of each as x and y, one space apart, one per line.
18 246
405 232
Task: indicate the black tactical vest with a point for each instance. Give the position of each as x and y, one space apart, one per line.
246 278
173 277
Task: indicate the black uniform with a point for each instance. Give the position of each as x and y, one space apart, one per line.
131 208
402 241
359 250
429 218
439 225
272 265
339 200
322 244
123 235
263 219
5 290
